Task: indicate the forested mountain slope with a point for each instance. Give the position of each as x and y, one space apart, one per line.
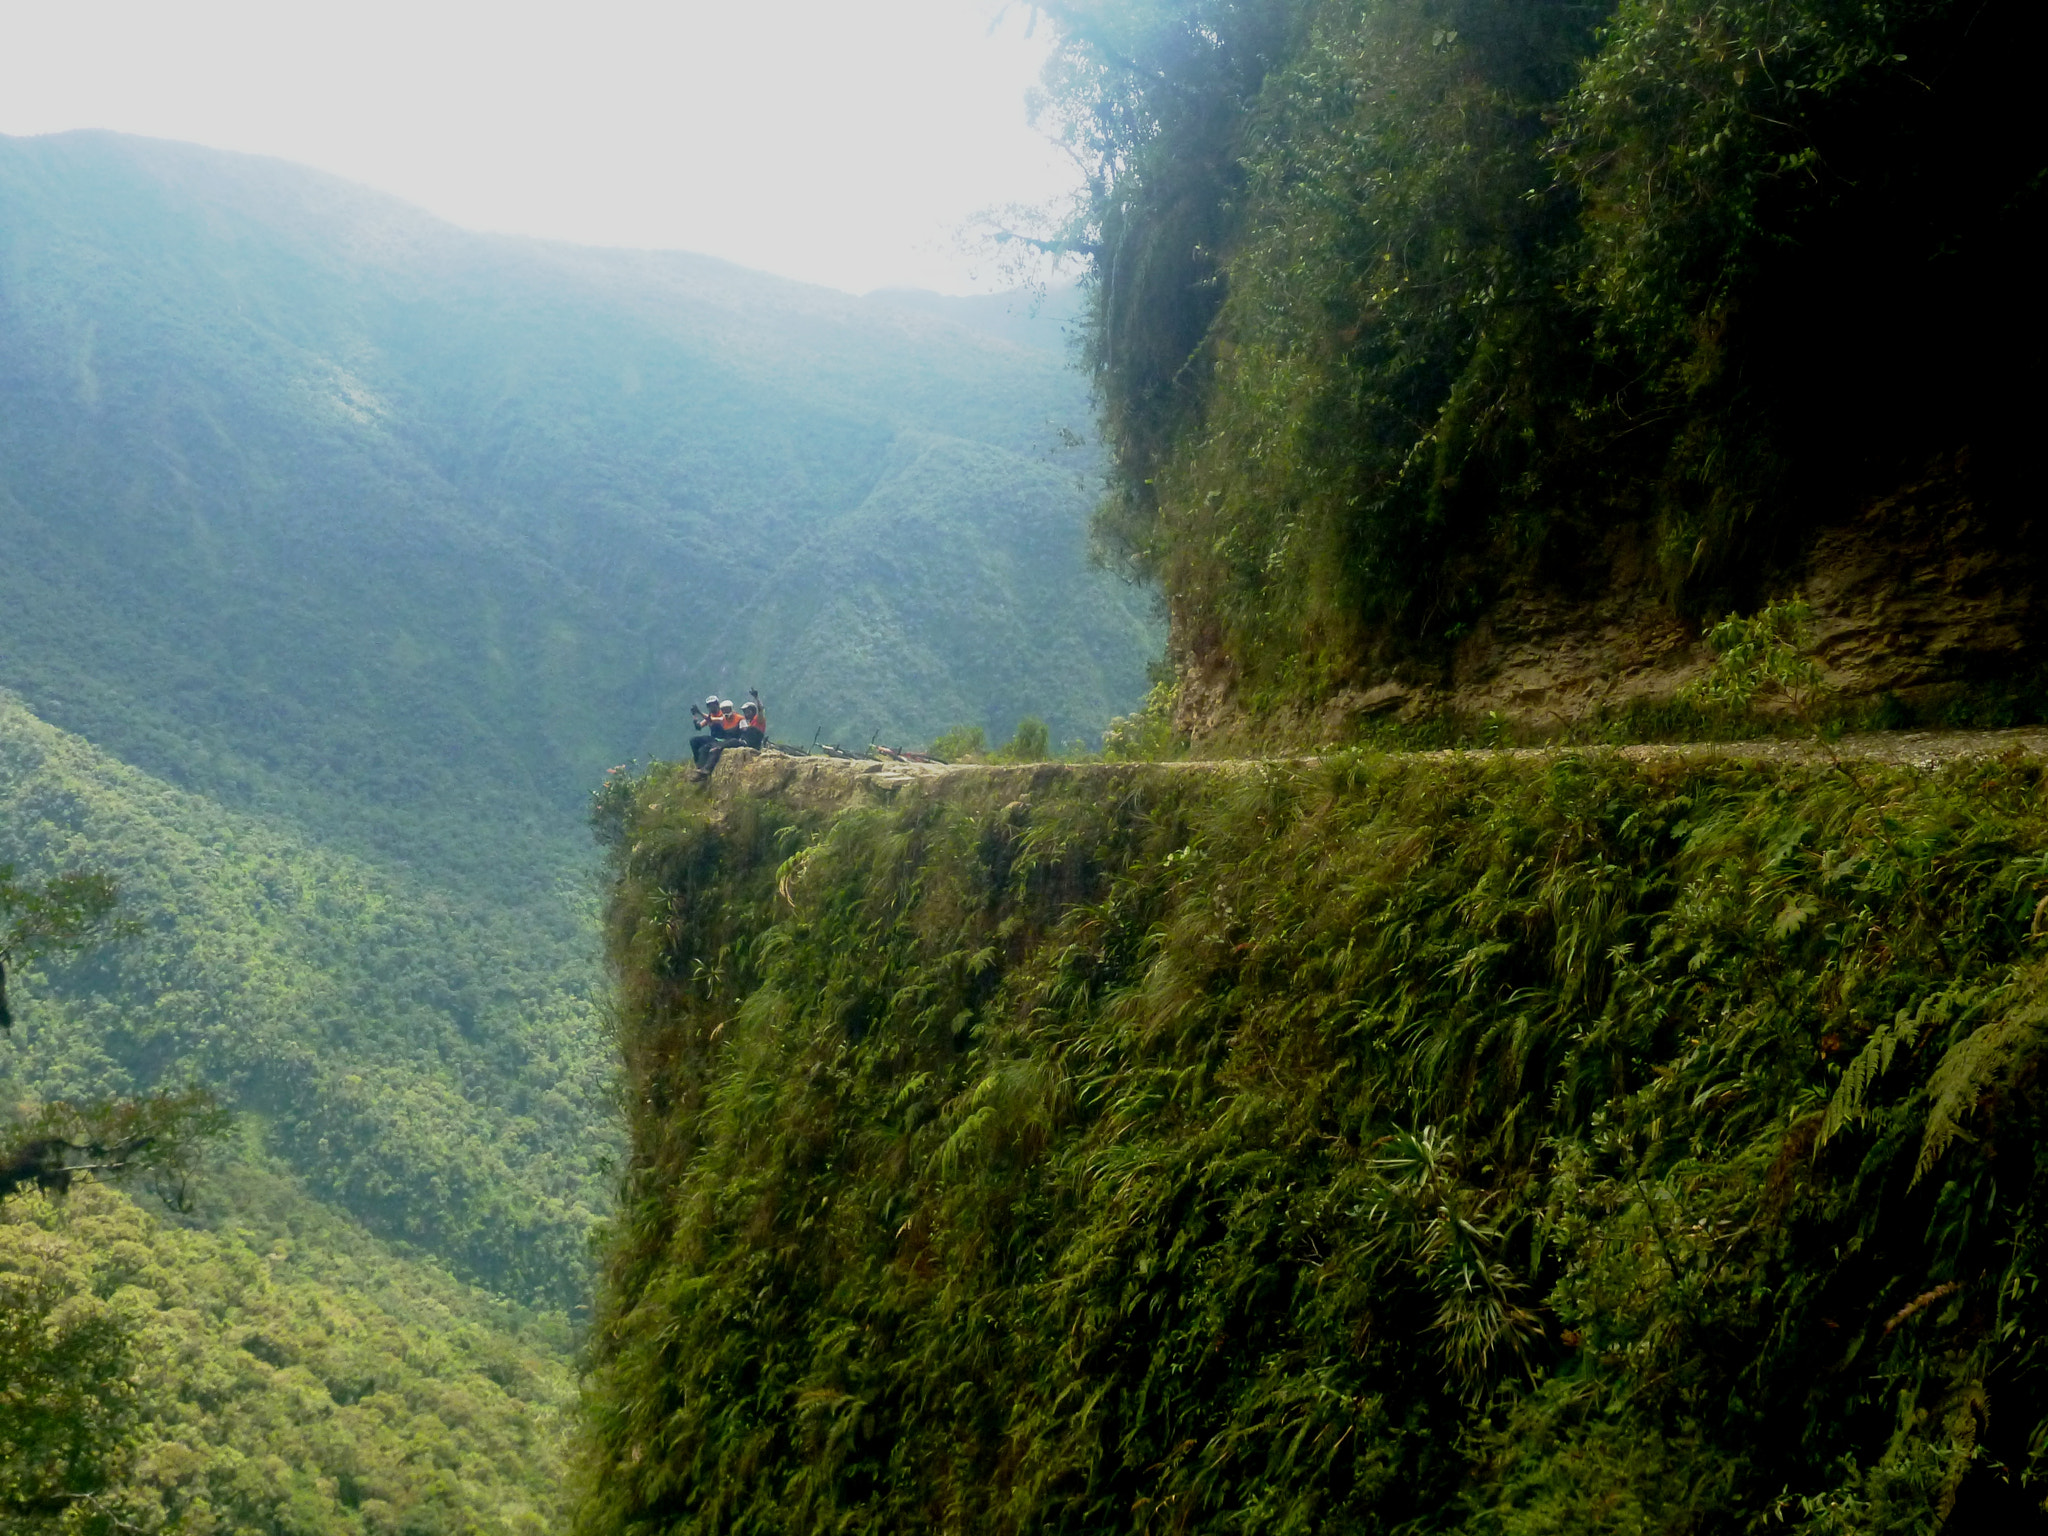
1440 338
342 551
430 1060
849 613
317 505
269 1368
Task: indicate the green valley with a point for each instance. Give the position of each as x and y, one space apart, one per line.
323 508
434 1065
345 551
271 1369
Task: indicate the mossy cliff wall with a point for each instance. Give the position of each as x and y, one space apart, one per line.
1518 1144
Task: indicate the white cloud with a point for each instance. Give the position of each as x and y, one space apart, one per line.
836 142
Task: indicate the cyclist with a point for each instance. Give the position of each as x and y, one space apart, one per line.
753 720
706 720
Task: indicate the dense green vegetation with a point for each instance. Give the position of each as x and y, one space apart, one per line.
322 508
1505 1145
432 1064
276 1370
1396 301
263 1364
371 543
344 551
62 915
852 615
358 546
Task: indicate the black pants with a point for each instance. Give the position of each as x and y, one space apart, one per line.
700 746
714 748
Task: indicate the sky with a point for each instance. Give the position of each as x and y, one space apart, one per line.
841 142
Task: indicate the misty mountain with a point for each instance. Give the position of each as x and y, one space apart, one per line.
324 507
342 551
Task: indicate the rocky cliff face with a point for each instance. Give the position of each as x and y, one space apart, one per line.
1917 596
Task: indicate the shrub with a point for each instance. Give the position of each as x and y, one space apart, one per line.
1031 744
960 744
1147 734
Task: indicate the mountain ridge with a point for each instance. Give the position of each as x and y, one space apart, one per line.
346 548
467 514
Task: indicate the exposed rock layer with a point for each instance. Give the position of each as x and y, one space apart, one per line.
1919 594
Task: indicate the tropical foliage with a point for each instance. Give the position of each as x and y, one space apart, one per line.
161 1379
345 549
58 916
280 1373
432 1064
1504 1145
1396 300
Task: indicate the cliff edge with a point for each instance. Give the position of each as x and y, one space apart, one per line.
1493 1143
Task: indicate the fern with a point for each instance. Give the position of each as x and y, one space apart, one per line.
1979 1062
1871 1063
1049 1176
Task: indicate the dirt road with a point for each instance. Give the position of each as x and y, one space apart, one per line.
1918 749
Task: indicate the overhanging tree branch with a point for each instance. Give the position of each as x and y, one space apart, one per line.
1057 246
63 915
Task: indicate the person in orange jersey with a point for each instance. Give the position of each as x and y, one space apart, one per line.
753 720
730 727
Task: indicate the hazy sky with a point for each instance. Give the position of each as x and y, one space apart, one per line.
839 141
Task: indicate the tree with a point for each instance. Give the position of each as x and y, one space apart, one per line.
68 1417
63 915
1031 744
158 1134
68 1420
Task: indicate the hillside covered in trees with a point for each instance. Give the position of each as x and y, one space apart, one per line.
1427 327
341 553
262 1365
345 550
431 1062
1507 1145
324 508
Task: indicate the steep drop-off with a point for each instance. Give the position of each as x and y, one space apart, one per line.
322 507
341 551
1542 1143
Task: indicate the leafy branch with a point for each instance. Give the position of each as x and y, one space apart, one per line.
162 1134
62 916
1764 656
